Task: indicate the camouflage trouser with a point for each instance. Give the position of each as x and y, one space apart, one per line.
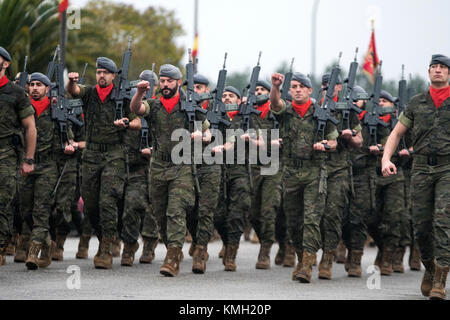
37 199
173 196
304 205
281 235
150 228
361 208
384 225
220 213
266 200
65 193
406 227
431 211
200 221
338 192
239 202
102 189
137 204
8 165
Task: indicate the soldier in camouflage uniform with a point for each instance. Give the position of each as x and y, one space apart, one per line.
304 169
172 187
362 203
384 224
137 213
266 195
37 190
338 184
427 115
103 167
16 113
201 221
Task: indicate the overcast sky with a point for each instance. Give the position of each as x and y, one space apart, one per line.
406 31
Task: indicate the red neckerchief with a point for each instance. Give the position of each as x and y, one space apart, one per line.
386 118
439 95
103 92
301 109
170 103
232 114
361 115
264 109
205 105
3 81
335 99
40 105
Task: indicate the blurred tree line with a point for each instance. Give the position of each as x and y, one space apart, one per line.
32 28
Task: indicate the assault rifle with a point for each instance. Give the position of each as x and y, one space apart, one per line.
215 116
401 104
82 80
287 83
24 75
51 65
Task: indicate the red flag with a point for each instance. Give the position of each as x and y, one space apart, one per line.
371 60
195 48
63 5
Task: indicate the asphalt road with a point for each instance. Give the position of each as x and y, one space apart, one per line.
145 282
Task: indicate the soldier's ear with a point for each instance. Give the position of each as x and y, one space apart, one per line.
310 90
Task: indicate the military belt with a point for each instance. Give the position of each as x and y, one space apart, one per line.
44 156
360 171
301 163
432 159
102 147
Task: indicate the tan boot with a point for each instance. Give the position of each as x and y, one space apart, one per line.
397 261
45 258
254 238
103 259
22 248
188 238
428 276
116 246
200 256
299 264
439 282
191 249
33 252
222 251
148 252
340 252
58 254
247 231
289 258
128 253
264 256
11 248
386 261
281 253
83 247
305 273
229 258
414 259
171 265
2 259
326 263
354 269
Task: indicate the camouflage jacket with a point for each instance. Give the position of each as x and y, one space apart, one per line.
430 126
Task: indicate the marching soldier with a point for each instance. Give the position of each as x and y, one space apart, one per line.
304 173
428 116
16 113
172 187
103 167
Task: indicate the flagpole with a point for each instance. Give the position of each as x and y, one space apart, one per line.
195 61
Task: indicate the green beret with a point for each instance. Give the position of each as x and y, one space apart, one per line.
37 76
5 54
170 71
106 63
440 59
304 80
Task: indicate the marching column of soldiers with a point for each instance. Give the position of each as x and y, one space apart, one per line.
349 165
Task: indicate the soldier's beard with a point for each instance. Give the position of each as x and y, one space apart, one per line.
170 94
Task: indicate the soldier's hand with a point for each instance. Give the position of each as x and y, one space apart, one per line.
404 153
122 123
388 168
26 169
375 149
347 134
143 86
245 137
277 79
207 136
218 149
73 77
197 136
147 153
320 146
69 149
